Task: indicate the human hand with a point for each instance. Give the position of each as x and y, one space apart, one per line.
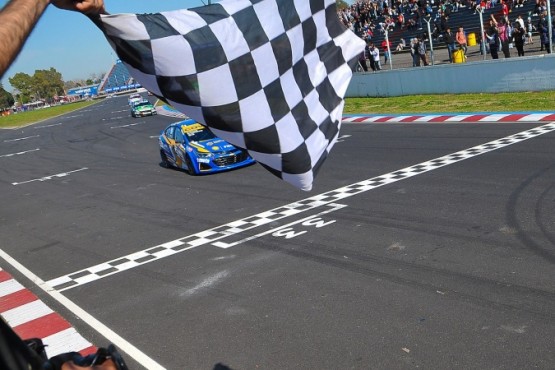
106 365
88 7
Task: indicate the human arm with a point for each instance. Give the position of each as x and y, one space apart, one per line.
19 17
492 17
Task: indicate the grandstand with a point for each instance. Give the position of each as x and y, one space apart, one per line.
117 79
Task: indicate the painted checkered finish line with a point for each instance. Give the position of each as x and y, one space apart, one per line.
32 318
268 76
215 235
452 117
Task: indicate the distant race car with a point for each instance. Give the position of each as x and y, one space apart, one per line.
134 98
190 146
142 108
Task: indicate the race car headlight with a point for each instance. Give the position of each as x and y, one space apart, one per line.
205 155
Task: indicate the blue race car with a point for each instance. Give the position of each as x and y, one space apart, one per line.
190 146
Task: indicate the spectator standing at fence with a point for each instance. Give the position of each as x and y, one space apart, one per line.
460 38
449 39
422 50
414 52
362 60
492 38
519 34
503 33
544 33
374 58
529 30
386 48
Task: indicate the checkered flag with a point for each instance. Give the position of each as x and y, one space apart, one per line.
265 75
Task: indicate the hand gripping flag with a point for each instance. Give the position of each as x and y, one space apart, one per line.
265 75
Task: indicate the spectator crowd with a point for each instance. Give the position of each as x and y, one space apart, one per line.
384 25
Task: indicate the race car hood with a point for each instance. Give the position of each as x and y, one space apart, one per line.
144 107
215 145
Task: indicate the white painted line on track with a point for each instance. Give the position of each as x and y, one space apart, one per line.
333 207
340 139
129 125
120 111
214 235
19 153
21 138
52 125
113 337
46 178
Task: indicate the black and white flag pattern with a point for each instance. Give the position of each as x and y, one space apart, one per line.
266 75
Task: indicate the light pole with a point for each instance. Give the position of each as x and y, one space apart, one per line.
428 20
483 42
549 26
388 48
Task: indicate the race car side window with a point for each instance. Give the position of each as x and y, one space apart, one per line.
170 132
179 136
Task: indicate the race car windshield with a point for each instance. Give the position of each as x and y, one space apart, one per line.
142 104
200 135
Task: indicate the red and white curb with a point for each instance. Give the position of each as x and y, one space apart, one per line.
422 118
32 318
444 118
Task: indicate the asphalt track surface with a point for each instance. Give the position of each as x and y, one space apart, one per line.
450 267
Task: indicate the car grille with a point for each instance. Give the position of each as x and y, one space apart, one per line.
230 159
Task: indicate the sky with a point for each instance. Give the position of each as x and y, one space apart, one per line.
71 43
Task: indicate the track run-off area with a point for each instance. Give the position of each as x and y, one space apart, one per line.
427 241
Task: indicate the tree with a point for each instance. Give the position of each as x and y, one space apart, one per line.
48 83
24 84
341 4
6 99
44 84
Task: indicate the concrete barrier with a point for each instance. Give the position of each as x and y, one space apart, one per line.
534 73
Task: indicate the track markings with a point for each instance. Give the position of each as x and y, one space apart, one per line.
19 153
21 138
129 125
215 236
46 178
52 125
441 118
30 317
85 317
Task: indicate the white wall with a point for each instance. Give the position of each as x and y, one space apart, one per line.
532 73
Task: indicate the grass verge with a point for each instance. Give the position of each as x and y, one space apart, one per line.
541 101
26 118
460 103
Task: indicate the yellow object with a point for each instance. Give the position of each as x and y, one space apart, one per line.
471 39
458 56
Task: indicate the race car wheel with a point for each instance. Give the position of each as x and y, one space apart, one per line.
190 168
165 161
